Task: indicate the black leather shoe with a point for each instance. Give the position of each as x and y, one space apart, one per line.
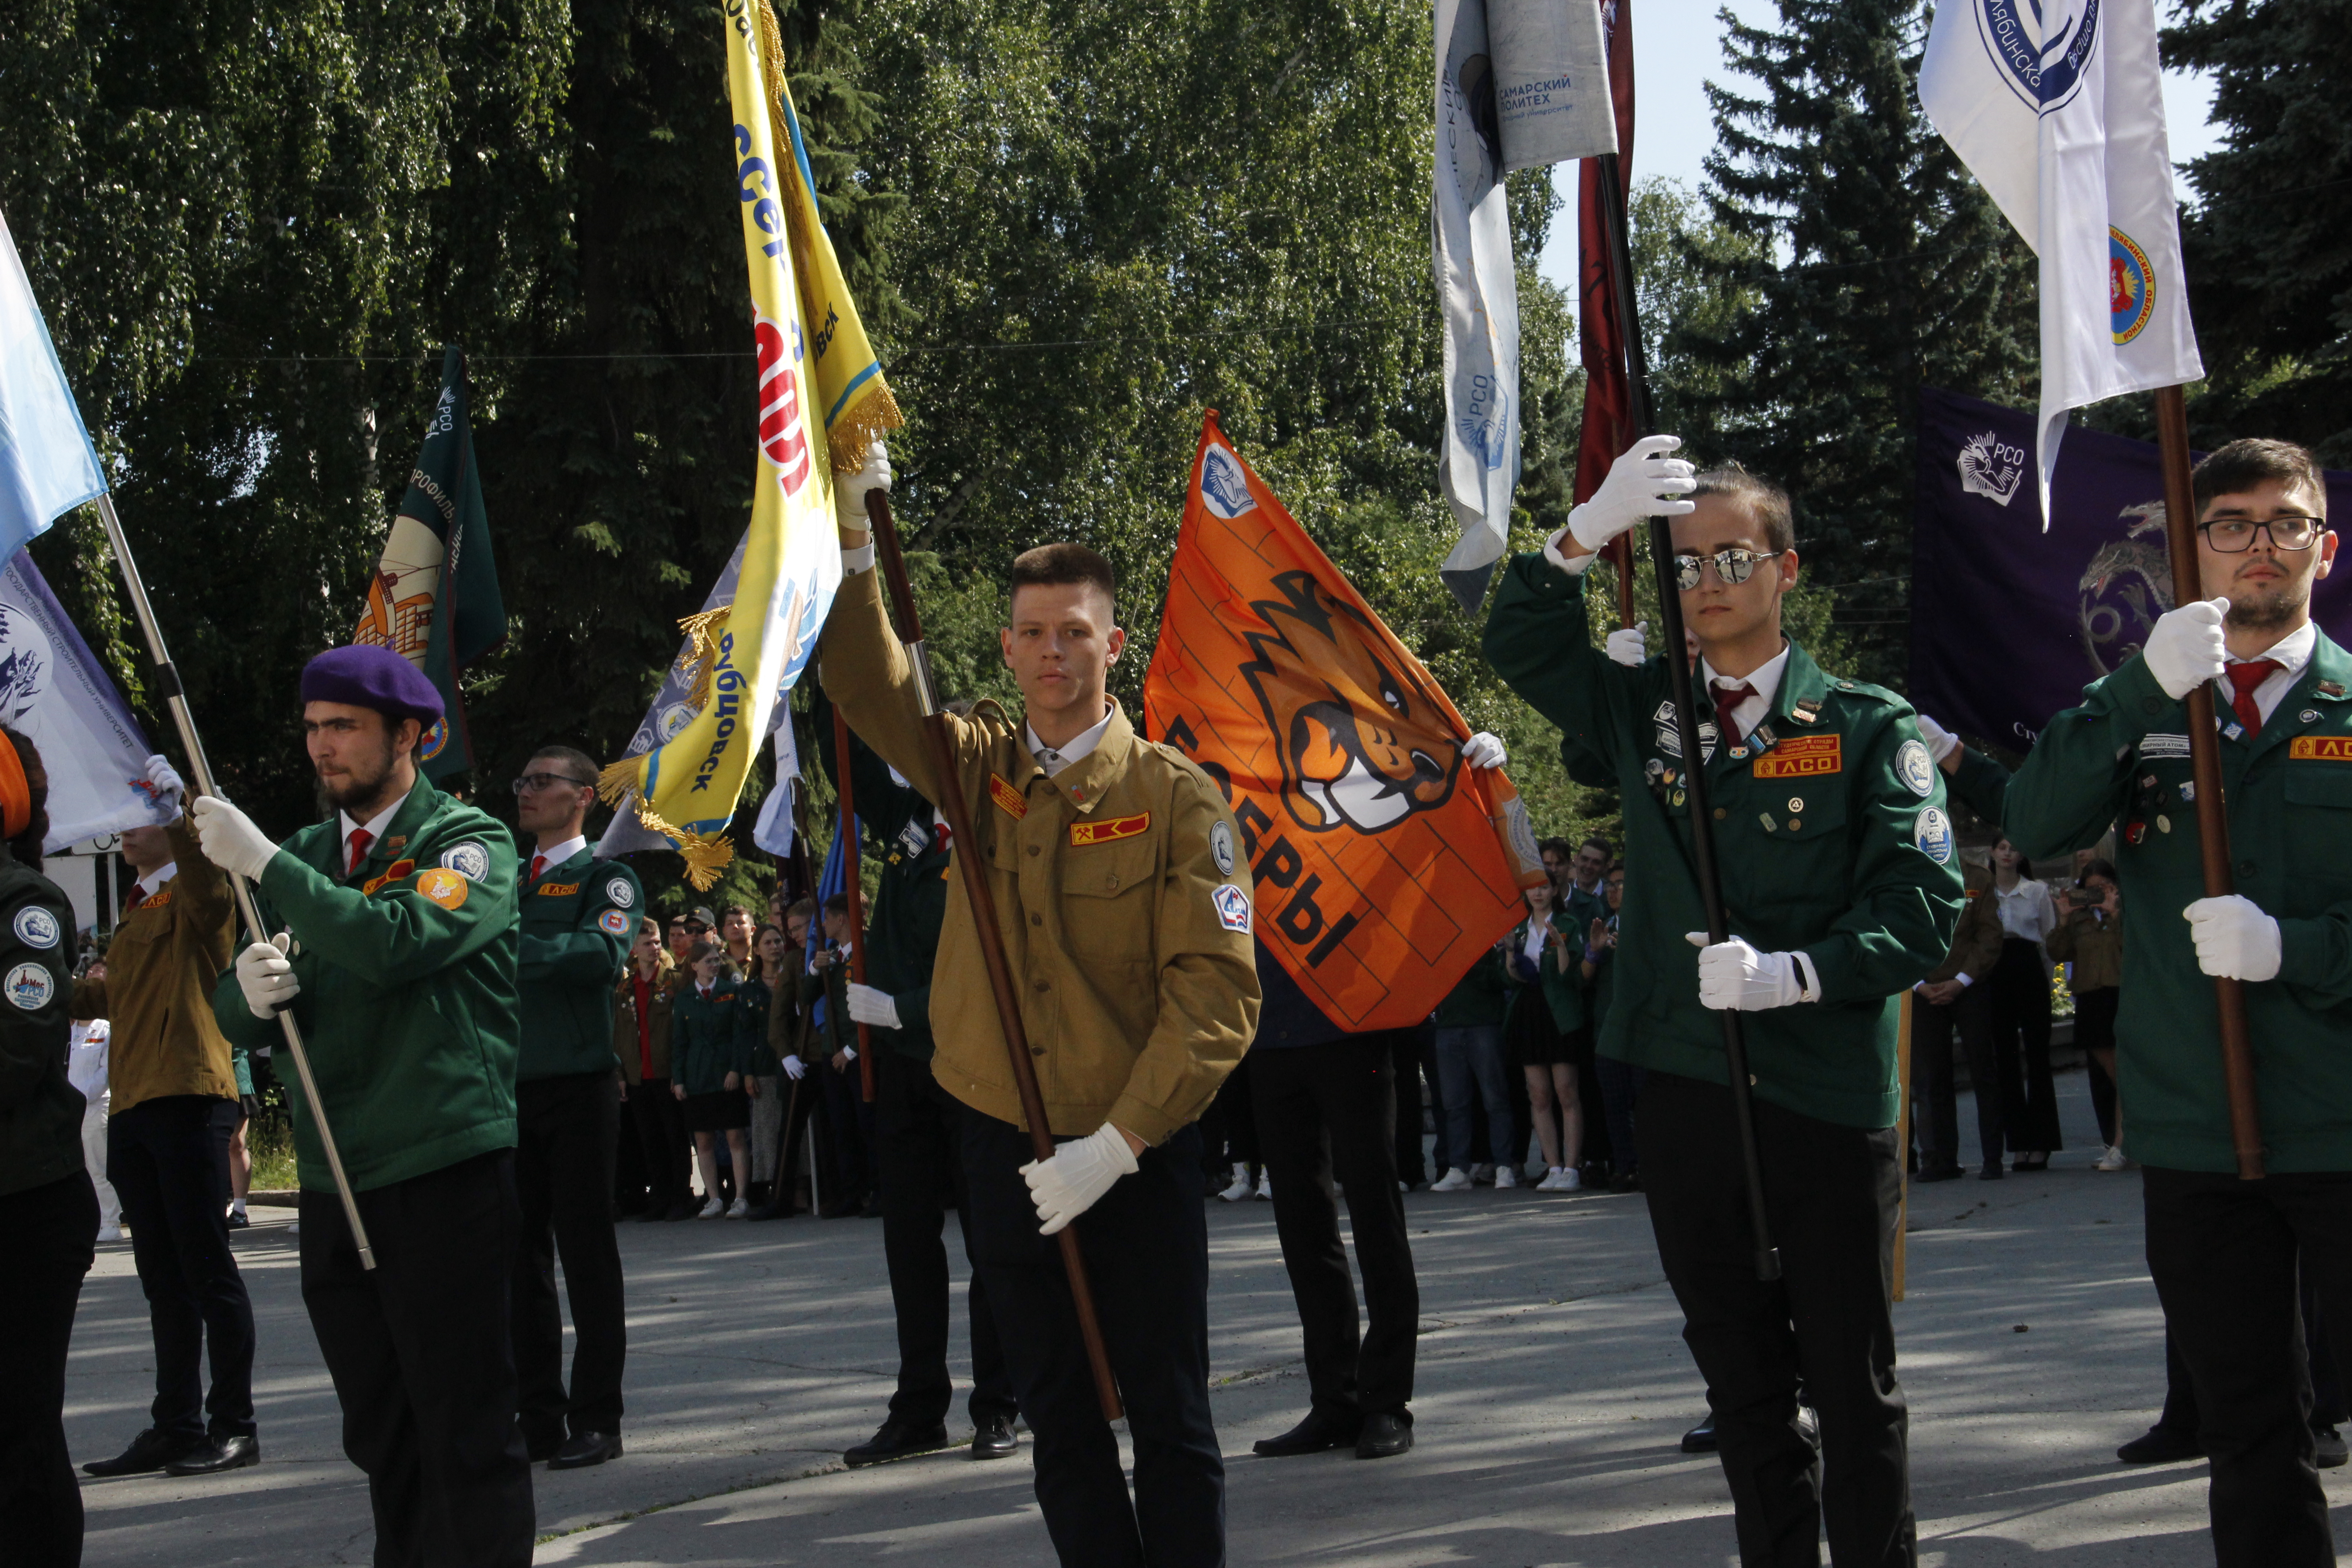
993 1438
1384 1437
1700 1440
1939 1174
2330 1453
149 1452
1992 1172
681 1211
214 1455
239 1220
2161 1444
896 1441
584 1449
1315 1435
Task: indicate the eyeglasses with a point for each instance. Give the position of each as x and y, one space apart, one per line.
2233 535
531 782
1734 566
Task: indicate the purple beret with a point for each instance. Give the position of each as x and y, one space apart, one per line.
369 675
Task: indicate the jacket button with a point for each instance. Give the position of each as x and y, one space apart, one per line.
1720 813
1113 883
1042 986
1037 1050
1035 919
2247 869
1032 849
2152 705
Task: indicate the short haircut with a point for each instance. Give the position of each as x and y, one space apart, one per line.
1052 565
2098 868
1766 502
1596 842
2241 465
743 910
579 764
1559 846
801 910
702 949
837 905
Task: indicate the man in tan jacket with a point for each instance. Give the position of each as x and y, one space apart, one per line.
1954 1000
175 1110
1125 917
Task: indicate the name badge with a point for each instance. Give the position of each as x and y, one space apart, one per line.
1085 833
2320 749
1802 757
559 890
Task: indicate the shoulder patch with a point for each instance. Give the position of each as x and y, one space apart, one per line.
469 860
1009 801
1108 829
1915 768
392 873
30 986
1220 847
621 892
1233 907
1932 833
36 927
614 922
444 886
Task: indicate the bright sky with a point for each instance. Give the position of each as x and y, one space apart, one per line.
1677 46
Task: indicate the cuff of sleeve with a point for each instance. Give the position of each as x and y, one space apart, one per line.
861 559
1809 982
1575 568
2306 956
1146 1121
1965 979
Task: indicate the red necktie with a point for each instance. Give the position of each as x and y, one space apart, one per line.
138 897
2245 678
361 839
536 862
1728 697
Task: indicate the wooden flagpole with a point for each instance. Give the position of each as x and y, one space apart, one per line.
854 888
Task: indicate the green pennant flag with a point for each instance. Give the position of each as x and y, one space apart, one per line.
435 596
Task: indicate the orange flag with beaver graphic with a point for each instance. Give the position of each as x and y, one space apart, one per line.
1384 866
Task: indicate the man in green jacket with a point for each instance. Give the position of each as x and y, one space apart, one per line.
1837 867
396 952
578 916
2224 1252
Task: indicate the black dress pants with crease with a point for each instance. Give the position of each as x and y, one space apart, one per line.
1830 1196
1146 1244
567 1128
421 1350
1934 1082
47 1234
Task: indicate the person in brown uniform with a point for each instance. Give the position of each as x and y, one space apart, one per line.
175 1109
1952 1000
1126 920
641 1042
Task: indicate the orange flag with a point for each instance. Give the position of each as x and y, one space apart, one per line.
1384 866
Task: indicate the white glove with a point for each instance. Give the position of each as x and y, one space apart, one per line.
1079 1175
164 780
868 1006
795 1068
1941 743
2185 647
1732 974
266 976
2235 939
1483 750
230 839
849 491
1628 646
1643 483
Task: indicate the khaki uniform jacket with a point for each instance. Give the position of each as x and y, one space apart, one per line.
166 956
1976 941
2094 946
1125 912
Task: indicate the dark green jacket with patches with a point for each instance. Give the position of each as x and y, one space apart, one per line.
577 922
709 1037
409 1006
2122 758
1832 839
40 1112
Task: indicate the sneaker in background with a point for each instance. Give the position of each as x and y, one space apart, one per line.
738 1208
1505 1177
1264 1187
1455 1179
1572 1180
713 1209
1242 1188
2113 1160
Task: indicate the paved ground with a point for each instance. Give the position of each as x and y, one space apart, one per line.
1553 1386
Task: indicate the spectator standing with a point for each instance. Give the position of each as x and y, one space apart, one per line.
175 1109
848 1119
86 1071
1229 1139
685 931
771 971
2091 938
1540 1033
1621 1081
736 933
641 1042
577 916
1470 1061
1958 1000
788 1032
2020 1012
708 1053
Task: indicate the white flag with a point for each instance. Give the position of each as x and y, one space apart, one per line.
46 465
1551 81
2058 109
773 831
57 695
1477 291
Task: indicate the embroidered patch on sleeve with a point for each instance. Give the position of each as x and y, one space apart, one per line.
30 986
1233 907
614 922
445 887
1009 801
468 860
1802 757
392 873
36 927
1109 829
622 894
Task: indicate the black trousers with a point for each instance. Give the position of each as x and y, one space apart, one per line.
1831 1194
1620 1091
848 1131
168 1160
1933 1080
422 1355
2021 1035
1332 1108
1404 1050
660 1123
47 1235
1146 1244
2095 1027
2328 1407
1229 1127
567 1128
2225 1254
923 1178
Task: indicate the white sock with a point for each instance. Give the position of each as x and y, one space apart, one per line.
237 1205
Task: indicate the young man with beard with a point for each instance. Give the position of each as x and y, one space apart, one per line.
2224 1252
396 950
1837 866
1125 917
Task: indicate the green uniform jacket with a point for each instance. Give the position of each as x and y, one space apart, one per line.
2122 758
709 1037
1563 979
754 998
577 922
910 905
408 1002
1982 785
1479 998
1843 851
40 1112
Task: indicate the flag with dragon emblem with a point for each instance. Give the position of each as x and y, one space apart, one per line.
822 399
1384 865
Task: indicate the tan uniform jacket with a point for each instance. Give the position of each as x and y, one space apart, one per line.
2094 946
1125 909
157 994
1976 941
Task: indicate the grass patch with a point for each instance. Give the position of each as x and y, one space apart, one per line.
269 1139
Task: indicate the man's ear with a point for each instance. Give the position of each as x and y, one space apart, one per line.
2327 555
406 735
1004 645
1114 643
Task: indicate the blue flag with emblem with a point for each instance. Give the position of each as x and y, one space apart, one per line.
47 466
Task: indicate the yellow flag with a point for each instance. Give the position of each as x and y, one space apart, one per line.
748 652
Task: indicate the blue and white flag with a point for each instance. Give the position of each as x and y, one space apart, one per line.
2057 108
46 463
55 692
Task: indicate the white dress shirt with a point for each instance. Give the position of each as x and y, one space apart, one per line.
1765 679
2293 653
148 885
562 852
2026 911
1054 759
374 826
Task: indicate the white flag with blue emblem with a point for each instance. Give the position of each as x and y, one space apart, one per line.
2057 108
47 465
55 692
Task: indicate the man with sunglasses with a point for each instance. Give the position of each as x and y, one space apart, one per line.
1838 874
2224 1252
579 916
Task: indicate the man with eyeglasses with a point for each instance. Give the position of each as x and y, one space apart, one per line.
579 916
2224 1252
1836 861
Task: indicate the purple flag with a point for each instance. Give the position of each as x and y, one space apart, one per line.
2009 623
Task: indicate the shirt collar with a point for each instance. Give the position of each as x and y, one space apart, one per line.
564 851
1765 677
2292 651
375 825
1054 759
153 880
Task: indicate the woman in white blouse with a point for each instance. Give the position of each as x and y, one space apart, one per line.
2021 1002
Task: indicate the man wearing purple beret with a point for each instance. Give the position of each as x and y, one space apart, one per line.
396 949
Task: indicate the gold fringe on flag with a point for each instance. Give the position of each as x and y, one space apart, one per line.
705 858
618 780
701 630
